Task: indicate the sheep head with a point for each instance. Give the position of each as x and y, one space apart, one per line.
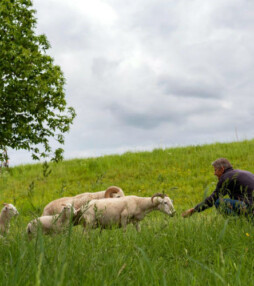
10 209
165 204
68 209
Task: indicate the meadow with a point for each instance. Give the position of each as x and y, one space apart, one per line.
205 249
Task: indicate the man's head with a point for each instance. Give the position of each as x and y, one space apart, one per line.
220 166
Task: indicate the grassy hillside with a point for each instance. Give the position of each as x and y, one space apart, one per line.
183 173
206 249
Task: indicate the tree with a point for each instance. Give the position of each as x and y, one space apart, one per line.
33 108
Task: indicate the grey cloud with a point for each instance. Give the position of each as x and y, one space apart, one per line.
190 87
68 30
154 18
235 15
161 111
144 120
102 67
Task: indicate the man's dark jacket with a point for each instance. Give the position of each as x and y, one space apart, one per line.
237 184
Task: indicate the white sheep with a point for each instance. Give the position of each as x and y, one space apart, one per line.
130 209
7 213
77 201
52 224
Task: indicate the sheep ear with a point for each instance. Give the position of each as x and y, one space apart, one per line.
5 207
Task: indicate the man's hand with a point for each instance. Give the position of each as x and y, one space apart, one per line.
188 213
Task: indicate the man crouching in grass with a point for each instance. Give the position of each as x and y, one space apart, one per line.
237 184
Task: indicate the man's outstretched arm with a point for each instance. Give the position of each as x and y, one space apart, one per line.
207 203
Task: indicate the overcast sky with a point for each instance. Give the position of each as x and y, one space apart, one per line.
145 74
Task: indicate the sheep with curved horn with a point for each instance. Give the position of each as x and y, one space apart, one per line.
55 207
129 209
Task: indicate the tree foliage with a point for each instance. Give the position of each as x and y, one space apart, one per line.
33 108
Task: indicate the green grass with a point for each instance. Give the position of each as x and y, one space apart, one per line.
206 249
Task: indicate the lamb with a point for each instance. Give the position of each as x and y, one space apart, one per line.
52 224
7 213
55 206
130 209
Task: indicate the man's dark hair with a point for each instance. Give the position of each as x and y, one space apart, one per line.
222 162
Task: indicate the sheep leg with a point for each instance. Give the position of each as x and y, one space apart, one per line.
86 227
85 231
30 236
124 220
137 225
29 232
